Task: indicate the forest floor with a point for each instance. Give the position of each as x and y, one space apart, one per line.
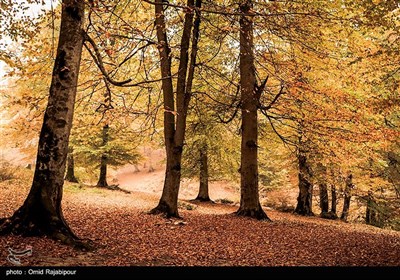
208 235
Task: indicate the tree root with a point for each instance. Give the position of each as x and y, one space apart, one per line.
55 229
114 188
164 209
202 199
258 214
75 242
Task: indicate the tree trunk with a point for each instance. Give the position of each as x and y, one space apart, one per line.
103 161
394 171
103 172
203 190
304 200
174 132
41 213
347 197
249 198
168 203
151 168
369 211
372 215
323 190
70 176
324 200
332 213
333 199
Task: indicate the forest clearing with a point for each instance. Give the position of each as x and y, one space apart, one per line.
200 133
208 235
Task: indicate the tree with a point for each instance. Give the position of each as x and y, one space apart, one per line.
323 182
347 197
114 145
103 161
203 188
210 147
372 214
17 25
333 200
96 98
175 121
250 96
304 200
41 213
324 199
332 183
70 176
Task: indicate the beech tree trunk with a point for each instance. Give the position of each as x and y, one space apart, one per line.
394 171
175 121
323 190
203 189
372 215
249 198
347 197
333 199
103 172
70 176
41 213
323 198
103 161
304 200
324 203
369 217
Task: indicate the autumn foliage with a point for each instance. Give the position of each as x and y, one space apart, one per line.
290 106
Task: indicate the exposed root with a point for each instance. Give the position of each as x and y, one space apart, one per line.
164 209
258 214
55 229
75 242
114 188
202 199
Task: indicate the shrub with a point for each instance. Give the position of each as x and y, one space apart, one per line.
7 171
224 201
187 206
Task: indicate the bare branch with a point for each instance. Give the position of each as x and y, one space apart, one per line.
99 61
223 11
259 89
232 117
284 140
265 108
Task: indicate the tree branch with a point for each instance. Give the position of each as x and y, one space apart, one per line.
232 117
265 108
229 13
259 89
284 140
99 61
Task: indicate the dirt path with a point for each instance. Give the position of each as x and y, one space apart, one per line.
152 183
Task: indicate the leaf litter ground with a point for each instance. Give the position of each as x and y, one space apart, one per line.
208 235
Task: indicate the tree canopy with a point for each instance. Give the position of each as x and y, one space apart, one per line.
276 94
